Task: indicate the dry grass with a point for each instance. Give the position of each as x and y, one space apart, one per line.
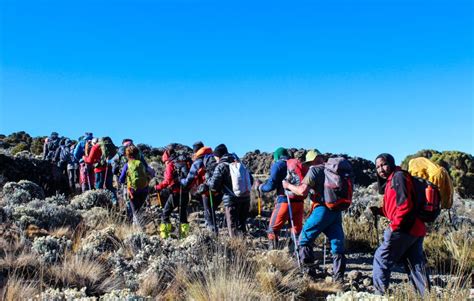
78 271
19 289
359 236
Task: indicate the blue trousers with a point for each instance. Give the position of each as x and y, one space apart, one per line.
398 247
105 180
323 220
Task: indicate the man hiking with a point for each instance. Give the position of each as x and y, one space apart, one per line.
321 220
51 144
176 195
403 239
231 178
134 175
280 214
196 178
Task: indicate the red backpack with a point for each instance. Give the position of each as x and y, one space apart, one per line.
338 183
295 172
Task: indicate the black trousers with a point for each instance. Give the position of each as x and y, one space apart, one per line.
172 202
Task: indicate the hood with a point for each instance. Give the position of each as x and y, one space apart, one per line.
205 150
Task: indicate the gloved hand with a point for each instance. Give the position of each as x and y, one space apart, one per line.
375 210
257 187
202 188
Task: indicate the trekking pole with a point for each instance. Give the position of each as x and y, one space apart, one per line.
213 214
324 251
105 177
179 211
293 227
376 226
159 199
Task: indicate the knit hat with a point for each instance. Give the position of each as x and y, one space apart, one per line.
311 155
197 146
220 150
280 152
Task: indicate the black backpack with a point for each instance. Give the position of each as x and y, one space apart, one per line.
52 146
182 164
426 199
65 155
109 150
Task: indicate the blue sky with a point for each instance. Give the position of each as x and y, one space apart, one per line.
357 77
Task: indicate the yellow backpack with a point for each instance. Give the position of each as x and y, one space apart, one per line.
438 175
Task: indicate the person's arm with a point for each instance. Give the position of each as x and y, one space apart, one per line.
168 177
301 189
403 214
78 151
271 183
217 179
123 175
57 154
192 173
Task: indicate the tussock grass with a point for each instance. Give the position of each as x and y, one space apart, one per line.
17 288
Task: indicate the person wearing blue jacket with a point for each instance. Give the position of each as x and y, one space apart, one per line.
280 214
86 171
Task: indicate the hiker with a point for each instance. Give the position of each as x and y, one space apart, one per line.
236 198
100 154
67 163
403 239
196 178
134 175
280 214
51 144
86 171
175 194
321 220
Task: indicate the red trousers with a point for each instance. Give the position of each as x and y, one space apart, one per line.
281 215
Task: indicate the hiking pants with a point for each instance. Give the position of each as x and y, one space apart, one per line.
72 177
281 215
135 203
236 216
210 212
86 177
173 202
101 182
398 247
323 220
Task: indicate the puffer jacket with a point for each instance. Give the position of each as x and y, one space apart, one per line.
398 205
221 181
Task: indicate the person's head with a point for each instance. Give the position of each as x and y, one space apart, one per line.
280 152
62 141
132 152
384 165
88 136
127 142
68 142
313 157
197 146
169 152
220 151
54 135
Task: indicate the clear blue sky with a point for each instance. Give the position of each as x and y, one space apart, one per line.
359 77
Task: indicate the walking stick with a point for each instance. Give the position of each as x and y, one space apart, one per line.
324 251
213 216
179 211
292 228
159 199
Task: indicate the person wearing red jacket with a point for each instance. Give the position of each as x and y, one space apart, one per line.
103 173
403 239
178 195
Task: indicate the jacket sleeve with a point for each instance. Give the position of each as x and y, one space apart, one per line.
168 180
123 175
403 216
193 171
217 179
79 151
94 155
271 183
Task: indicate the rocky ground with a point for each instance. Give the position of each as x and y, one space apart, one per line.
55 246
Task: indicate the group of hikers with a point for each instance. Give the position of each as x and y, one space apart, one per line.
217 176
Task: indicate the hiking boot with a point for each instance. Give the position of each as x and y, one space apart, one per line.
184 231
165 230
313 272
